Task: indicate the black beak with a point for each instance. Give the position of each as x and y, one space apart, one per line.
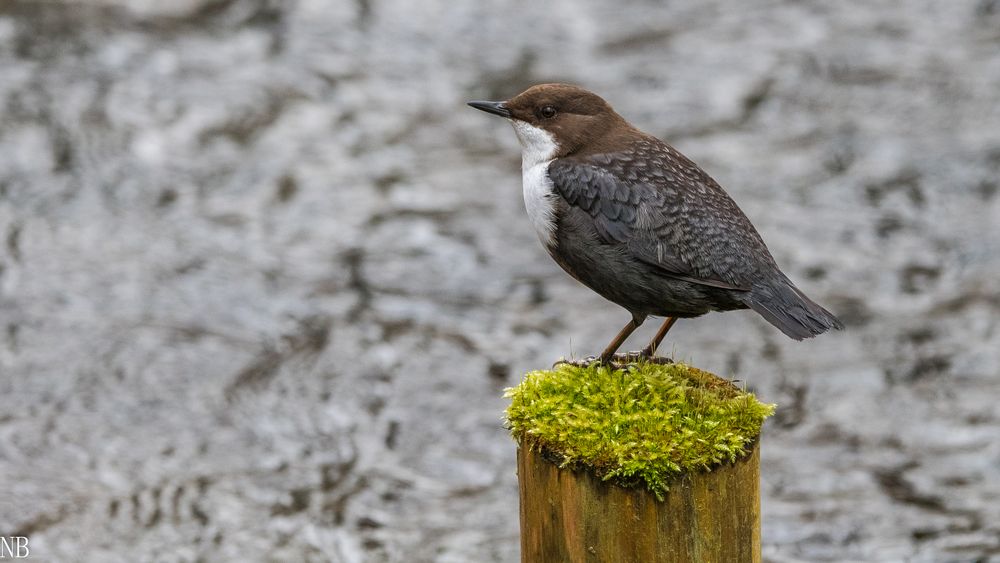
496 108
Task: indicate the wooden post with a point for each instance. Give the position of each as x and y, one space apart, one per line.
646 462
574 517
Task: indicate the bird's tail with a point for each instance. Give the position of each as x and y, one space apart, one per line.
787 308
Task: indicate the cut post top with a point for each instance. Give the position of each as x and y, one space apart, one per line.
642 425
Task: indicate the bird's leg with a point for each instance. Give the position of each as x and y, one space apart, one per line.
650 351
609 352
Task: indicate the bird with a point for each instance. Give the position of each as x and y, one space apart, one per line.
636 221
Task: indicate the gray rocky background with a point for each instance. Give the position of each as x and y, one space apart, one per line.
264 277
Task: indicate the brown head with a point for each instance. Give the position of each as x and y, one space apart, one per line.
575 120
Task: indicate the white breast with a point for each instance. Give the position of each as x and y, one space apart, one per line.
538 149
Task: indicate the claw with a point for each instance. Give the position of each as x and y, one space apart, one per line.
585 362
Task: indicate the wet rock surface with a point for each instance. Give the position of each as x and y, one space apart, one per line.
263 277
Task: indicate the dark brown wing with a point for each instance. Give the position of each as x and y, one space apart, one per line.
667 212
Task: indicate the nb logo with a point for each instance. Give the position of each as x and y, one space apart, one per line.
14 547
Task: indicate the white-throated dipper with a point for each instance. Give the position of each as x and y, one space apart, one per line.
639 223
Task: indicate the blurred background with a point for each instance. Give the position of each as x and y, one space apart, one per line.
264 277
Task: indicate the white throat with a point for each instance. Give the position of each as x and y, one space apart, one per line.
538 149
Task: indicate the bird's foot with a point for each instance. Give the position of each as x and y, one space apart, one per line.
618 361
625 359
585 362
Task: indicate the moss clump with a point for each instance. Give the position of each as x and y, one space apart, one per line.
646 423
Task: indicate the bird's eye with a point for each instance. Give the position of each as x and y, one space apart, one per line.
548 112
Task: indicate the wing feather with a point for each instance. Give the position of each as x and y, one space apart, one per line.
667 212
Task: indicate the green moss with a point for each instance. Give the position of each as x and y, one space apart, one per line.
646 423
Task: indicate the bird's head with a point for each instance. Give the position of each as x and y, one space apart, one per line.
556 120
